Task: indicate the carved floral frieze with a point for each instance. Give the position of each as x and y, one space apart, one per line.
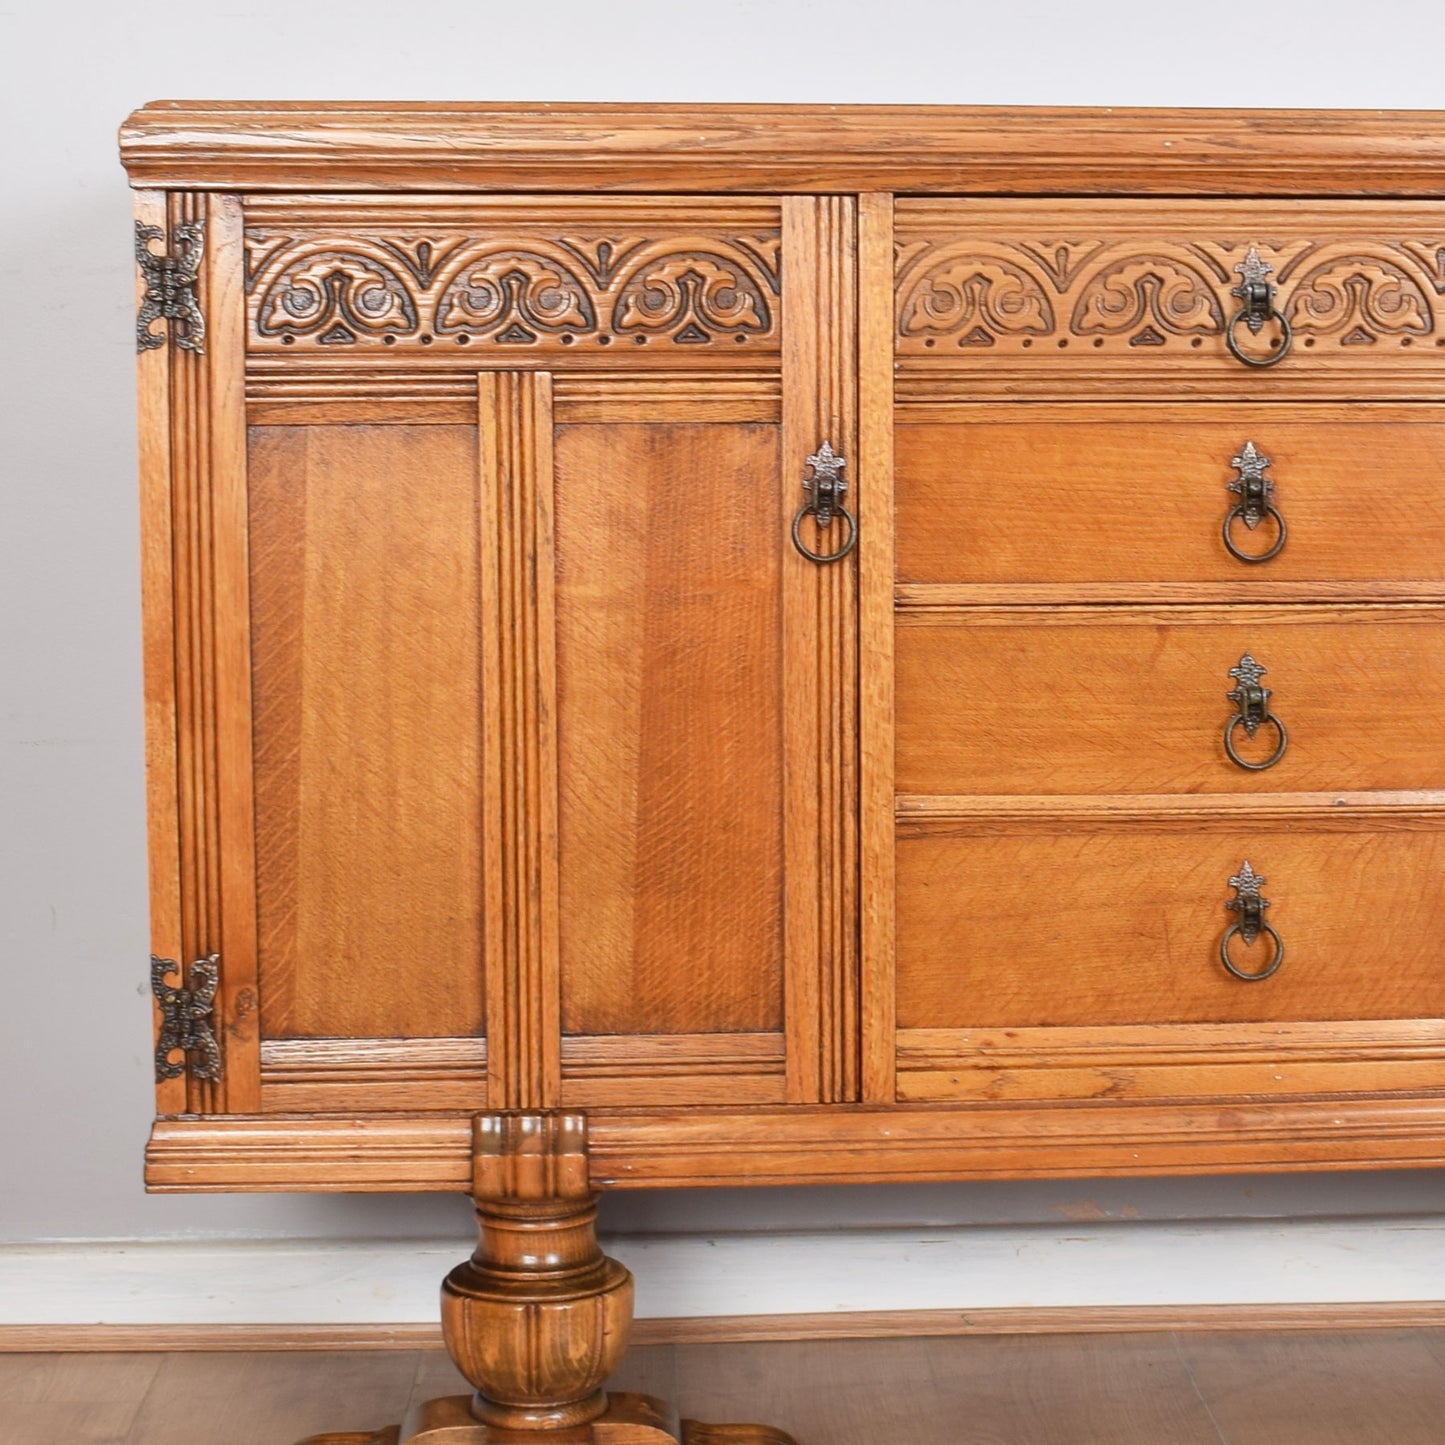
513 293
962 294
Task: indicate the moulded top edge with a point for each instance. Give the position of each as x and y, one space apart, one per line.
747 148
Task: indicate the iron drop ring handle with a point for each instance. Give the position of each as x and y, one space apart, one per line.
1259 975
1269 358
825 489
849 540
1249 904
1251 698
1239 721
1256 297
1238 514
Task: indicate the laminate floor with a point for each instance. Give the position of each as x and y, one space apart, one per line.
1377 1387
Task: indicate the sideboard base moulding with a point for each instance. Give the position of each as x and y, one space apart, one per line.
701 646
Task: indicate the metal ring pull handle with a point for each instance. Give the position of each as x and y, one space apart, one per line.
825 489
1256 296
1255 492
1250 907
1252 701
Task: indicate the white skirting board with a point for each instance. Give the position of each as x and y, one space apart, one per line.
293 1282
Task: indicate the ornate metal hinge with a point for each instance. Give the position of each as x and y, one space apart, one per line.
170 282
185 1018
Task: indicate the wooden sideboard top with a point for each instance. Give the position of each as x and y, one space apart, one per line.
533 147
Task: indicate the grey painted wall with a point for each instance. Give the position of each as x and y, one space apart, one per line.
74 1062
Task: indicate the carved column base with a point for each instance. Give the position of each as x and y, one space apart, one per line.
628 1420
537 1319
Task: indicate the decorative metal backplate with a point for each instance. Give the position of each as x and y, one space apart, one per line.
1250 906
825 489
185 1018
170 287
1247 901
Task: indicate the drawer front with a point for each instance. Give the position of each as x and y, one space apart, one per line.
1107 495
1064 294
1135 699
1033 922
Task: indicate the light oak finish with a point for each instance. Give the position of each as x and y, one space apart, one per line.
1069 298
1041 700
513 759
1136 495
380 146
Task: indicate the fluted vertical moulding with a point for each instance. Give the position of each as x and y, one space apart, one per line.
193 468
820 402
519 739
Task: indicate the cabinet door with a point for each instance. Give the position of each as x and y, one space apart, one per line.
509 749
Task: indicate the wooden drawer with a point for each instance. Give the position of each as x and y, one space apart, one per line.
1043 919
1136 297
1084 700
1092 501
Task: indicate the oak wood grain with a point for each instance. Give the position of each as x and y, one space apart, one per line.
1124 493
365 617
693 1148
876 567
1115 700
518 793
158 598
1161 1061
1129 928
299 146
670 729
820 657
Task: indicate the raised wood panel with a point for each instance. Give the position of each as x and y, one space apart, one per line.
669 640
1118 493
1137 1061
442 282
1044 294
367 664
1123 925
1126 700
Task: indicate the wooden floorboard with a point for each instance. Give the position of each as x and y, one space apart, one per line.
73 1399
1383 1388
270 1398
1375 1387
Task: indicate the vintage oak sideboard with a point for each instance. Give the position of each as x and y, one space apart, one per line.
694 646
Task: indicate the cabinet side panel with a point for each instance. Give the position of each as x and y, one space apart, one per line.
670 728
153 396
366 672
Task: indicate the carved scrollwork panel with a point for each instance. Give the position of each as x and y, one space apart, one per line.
1110 295
525 292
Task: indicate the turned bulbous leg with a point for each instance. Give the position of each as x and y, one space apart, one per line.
538 1318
